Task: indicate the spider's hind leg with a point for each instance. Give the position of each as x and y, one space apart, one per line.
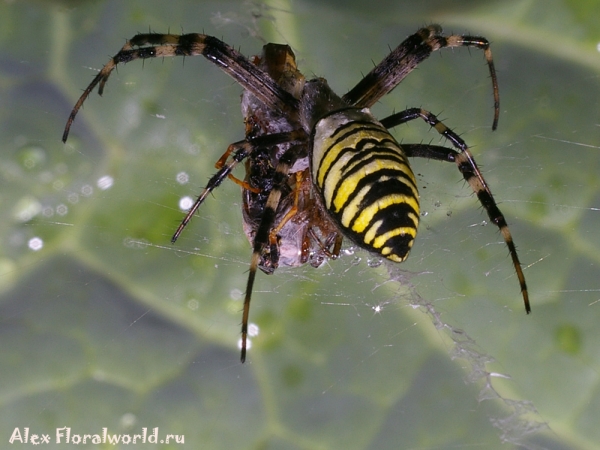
471 173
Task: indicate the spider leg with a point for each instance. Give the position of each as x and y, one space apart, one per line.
240 150
263 232
471 173
403 59
223 160
153 45
437 152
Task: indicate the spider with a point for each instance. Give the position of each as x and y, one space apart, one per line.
320 167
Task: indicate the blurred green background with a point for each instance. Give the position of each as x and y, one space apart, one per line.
105 324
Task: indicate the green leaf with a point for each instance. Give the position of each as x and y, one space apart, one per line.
105 324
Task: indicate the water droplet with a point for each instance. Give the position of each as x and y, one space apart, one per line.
31 157
253 330
27 208
374 262
236 294
105 182
182 178
62 209
35 244
73 197
193 149
185 203
87 190
377 308
128 420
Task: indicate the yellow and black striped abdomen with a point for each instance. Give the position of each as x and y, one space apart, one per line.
366 182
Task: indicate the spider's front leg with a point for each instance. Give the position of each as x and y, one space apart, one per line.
154 45
471 173
241 150
266 226
411 52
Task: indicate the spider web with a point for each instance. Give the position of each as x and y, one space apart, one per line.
522 419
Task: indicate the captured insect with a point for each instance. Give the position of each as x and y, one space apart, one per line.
321 167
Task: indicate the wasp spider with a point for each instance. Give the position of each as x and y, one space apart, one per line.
320 167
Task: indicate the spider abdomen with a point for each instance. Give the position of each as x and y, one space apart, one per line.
366 182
